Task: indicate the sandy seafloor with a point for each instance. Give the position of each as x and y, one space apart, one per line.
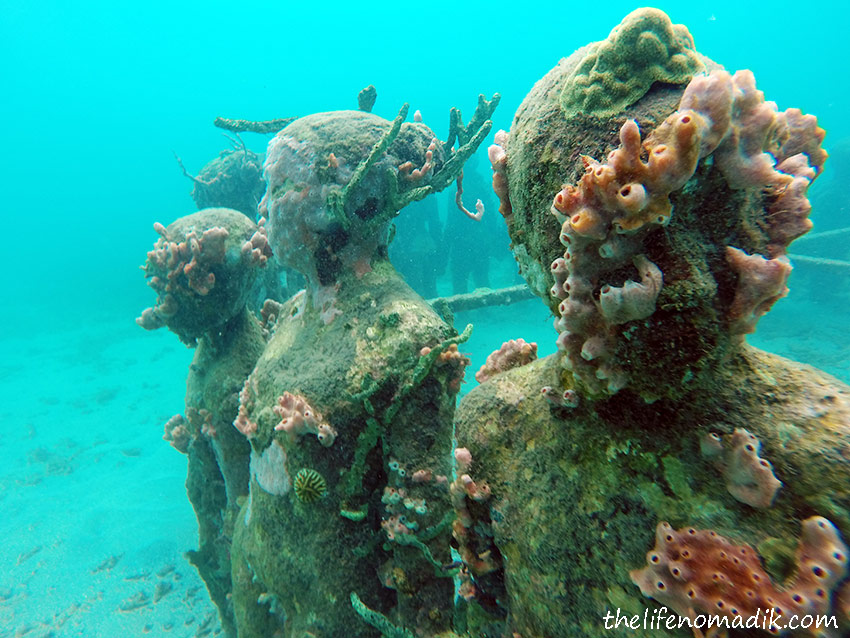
95 516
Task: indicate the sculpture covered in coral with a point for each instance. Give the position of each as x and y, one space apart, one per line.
650 200
203 267
351 402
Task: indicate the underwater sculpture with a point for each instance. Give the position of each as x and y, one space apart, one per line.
655 457
234 180
661 252
368 513
349 409
203 267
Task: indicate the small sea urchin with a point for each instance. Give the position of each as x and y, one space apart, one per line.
309 485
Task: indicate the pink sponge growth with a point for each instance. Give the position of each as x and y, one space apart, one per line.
463 457
473 539
802 135
697 571
177 433
608 215
633 300
761 283
185 263
257 249
297 418
512 354
202 268
757 146
603 219
749 478
242 422
628 192
498 162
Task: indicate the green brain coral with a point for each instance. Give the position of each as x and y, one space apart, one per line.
645 47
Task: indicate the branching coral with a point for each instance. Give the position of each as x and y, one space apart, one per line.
378 620
336 180
241 126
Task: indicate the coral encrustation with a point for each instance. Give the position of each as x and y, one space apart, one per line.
606 217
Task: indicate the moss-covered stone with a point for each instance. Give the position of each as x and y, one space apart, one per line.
217 480
357 371
577 494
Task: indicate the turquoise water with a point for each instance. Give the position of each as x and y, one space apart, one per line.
94 100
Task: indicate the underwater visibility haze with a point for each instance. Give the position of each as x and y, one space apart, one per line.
454 320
